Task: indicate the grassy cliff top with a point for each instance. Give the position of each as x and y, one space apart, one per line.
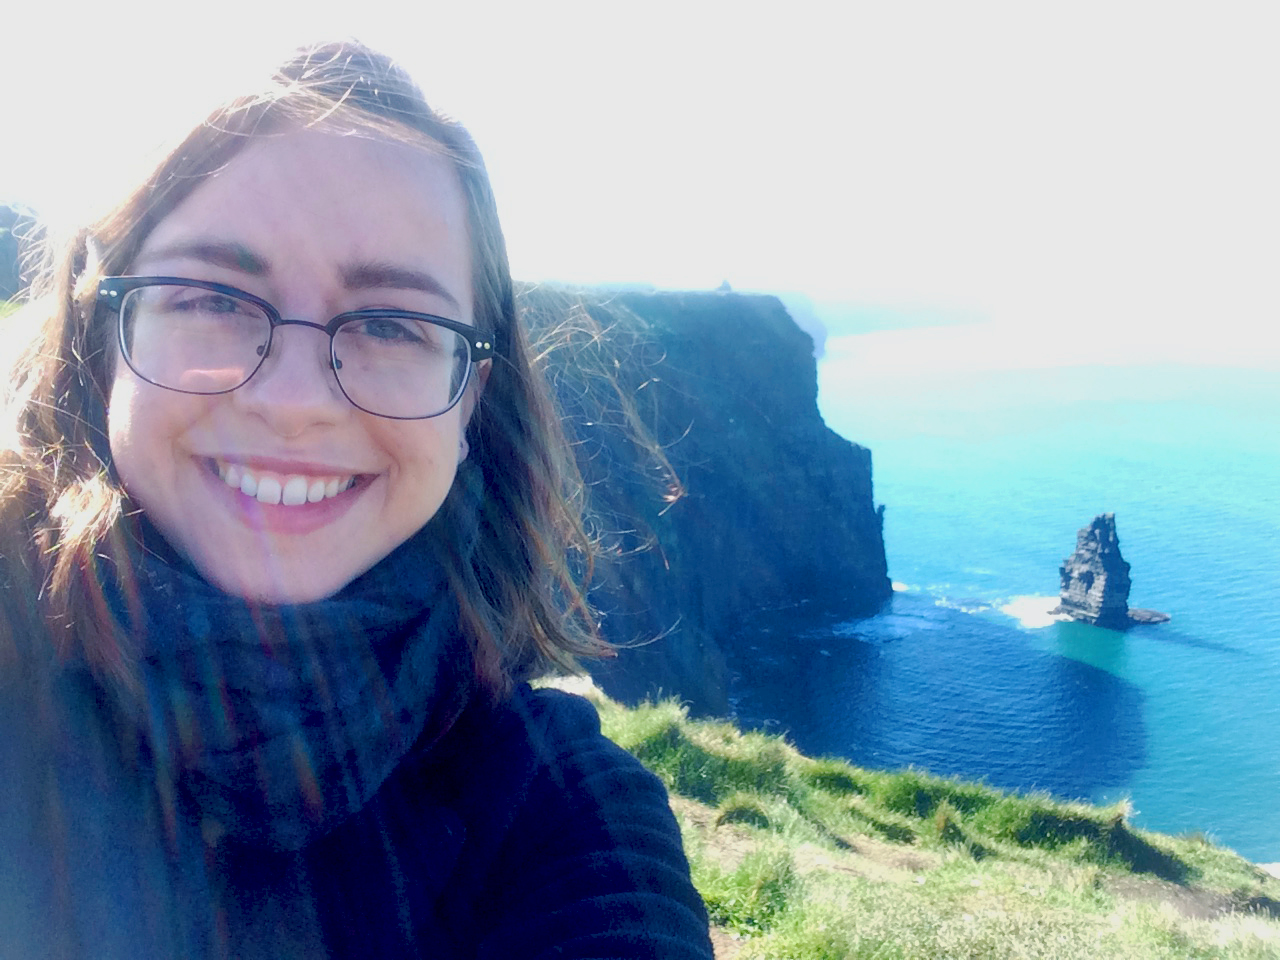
815 859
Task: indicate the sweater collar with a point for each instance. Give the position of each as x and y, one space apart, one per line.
274 723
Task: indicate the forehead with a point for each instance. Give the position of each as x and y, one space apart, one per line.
308 201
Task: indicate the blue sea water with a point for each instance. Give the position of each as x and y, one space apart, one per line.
986 476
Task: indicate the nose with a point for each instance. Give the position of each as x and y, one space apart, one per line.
295 388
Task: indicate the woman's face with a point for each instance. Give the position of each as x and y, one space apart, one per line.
316 224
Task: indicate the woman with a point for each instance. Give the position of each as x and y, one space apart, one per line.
283 535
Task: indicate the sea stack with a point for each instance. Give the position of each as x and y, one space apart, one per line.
1095 580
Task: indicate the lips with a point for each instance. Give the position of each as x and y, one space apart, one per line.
282 489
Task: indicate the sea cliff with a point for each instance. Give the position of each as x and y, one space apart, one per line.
17 227
748 501
713 483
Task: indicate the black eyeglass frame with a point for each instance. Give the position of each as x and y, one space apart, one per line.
112 291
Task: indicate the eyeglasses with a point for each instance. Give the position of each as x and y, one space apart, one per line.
206 338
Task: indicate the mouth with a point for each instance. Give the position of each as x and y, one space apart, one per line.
283 489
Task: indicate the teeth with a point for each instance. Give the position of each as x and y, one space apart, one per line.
269 490
294 492
291 491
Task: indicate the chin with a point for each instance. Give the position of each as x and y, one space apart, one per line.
270 586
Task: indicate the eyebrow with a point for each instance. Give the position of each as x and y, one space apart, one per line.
219 253
376 274
369 275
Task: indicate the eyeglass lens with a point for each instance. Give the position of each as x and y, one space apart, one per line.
206 341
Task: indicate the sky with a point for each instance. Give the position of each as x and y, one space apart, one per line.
1100 178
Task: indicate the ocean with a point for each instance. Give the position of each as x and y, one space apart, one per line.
987 472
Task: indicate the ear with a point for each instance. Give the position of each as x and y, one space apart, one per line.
479 377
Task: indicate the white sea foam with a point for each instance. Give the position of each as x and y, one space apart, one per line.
970 605
1032 611
899 587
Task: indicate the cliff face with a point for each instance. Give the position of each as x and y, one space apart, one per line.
749 502
776 509
17 228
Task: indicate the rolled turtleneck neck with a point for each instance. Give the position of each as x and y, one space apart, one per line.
274 723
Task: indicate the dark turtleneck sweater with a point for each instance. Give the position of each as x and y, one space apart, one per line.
322 781
523 833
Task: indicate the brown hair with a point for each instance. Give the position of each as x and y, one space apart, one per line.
65 520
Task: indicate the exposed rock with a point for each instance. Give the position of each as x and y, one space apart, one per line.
1138 615
773 508
17 229
1095 580
805 313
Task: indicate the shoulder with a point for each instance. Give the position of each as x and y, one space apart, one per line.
573 844
579 764
545 728
541 754
552 716
563 731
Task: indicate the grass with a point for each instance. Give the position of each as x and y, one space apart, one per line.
812 858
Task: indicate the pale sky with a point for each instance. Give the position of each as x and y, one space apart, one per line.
1095 169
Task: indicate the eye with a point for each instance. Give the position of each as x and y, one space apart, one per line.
391 329
391 333
208 302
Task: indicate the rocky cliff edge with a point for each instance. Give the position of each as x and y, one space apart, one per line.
751 502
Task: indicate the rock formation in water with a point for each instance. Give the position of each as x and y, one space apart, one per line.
1095 580
759 505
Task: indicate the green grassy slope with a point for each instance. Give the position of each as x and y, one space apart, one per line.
815 859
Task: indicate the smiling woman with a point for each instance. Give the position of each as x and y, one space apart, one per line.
278 406
282 537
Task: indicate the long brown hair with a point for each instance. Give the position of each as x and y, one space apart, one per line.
65 520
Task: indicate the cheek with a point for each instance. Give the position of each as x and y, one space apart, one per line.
144 424
424 458
126 425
